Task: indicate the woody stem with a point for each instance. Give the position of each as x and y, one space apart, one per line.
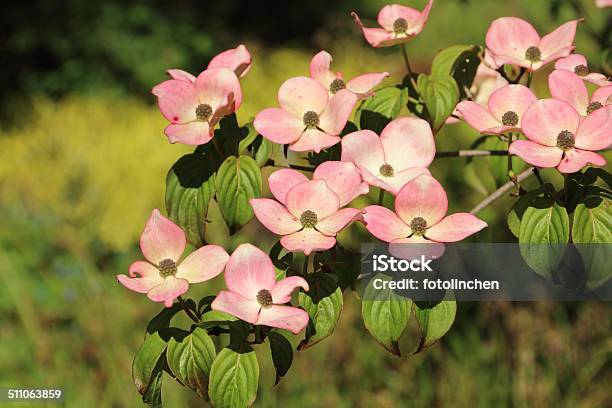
500 191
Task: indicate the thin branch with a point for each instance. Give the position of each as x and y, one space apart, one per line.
471 153
408 68
501 191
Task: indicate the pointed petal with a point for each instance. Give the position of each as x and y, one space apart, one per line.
168 290
546 118
477 116
236 59
248 271
313 195
562 39
337 112
278 125
408 142
281 181
400 179
568 87
306 241
342 178
377 37
302 94
274 216
598 79
363 85
193 134
281 293
595 132
319 69
161 239
215 86
284 317
384 224
511 37
422 20
576 159
142 277
203 264
181 75
333 224
603 95
510 98
236 305
422 197
536 154
314 140
364 149
455 227
177 100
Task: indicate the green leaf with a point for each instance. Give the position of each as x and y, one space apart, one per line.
162 319
385 314
145 368
190 184
434 322
459 61
238 180
281 263
545 222
376 112
324 304
282 354
230 134
234 378
440 94
518 209
190 359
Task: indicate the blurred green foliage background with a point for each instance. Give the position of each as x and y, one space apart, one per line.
83 160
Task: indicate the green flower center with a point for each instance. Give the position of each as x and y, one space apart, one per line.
308 219
593 106
203 112
264 297
311 119
336 85
565 140
400 26
581 70
386 170
418 225
510 118
167 267
533 54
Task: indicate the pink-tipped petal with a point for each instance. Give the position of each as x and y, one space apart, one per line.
333 224
560 42
576 159
203 264
274 216
568 87
162 239
248 271
546 118
181 75
408 142
177 100
570 62
422 197
342 178
511 98
319 68
336 114
364 149
236 305
283 317
278 125
511 37
236 59
422 20
363 85
603 95
415 247
313 140
313 195
595 132
391 12
384 224
168 290
477 116
302 94
193 134
536 154
455 227
281 293
281 181
377 37
401 178
598 79
142 277
215 84
307 241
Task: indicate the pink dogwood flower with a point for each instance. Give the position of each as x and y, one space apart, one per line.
403 151
567 86
361 85
237 59
578 64
512 40
308 213
420 217
504 110
255 296
194 108
399 24
163 278
308 119
559 137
